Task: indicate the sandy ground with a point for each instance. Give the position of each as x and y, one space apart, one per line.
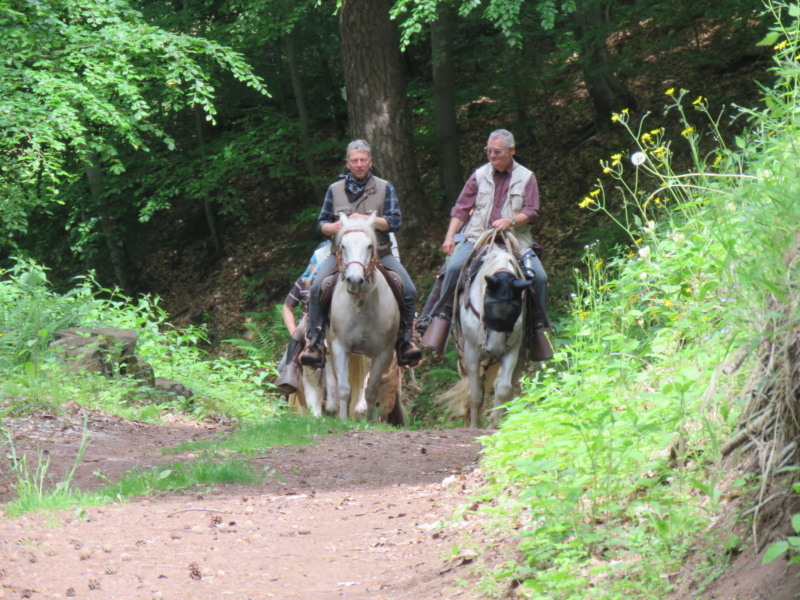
358 515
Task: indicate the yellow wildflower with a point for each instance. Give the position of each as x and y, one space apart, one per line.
698 101
606 170
594 193
598 264
718 159
646 137
782 45
667 302
624 111
687 131
585 202
670 91
614 118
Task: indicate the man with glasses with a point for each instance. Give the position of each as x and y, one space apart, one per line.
358 193
501 194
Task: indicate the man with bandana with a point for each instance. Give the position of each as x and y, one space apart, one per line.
358 193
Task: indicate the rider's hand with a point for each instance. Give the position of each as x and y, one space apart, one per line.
503 224
332 229
448 245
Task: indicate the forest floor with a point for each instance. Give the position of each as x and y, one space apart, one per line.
359 515
363 514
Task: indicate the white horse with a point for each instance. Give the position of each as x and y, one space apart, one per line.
489 327
364 316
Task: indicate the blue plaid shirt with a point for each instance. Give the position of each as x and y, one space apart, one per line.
391 209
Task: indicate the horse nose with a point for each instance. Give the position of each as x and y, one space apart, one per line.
355 283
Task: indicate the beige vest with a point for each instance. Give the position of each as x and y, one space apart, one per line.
372 200
482 211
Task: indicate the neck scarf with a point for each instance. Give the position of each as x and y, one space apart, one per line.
356 186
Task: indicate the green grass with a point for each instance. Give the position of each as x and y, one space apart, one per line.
287 429
223 461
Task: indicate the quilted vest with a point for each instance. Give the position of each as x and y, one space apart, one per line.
371 200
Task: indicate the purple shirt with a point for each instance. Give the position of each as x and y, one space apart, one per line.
466 200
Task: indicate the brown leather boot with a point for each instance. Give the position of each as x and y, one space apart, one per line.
314 354
408 354
541 349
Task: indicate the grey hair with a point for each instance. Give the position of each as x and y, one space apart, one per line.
503 134
358 146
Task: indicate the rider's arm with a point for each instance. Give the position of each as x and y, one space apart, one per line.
392 219
328 223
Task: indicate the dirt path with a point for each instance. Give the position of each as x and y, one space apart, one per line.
362 515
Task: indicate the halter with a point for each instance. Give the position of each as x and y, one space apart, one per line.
369 270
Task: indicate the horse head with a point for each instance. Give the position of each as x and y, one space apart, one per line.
357 252
502 308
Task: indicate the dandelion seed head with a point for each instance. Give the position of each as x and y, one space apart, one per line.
638 158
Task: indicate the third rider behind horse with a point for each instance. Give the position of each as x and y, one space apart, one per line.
501 194
358 194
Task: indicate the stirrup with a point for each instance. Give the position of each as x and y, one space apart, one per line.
313 355
408 355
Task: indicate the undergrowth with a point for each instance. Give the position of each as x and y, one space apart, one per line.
32 377
610 460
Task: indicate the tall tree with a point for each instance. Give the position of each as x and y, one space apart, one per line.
376 99
83 79
608 94
444 103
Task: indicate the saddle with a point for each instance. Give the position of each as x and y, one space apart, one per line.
329 284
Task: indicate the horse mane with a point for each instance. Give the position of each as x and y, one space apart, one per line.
498 258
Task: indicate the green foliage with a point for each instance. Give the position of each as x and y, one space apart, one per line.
83 79
32 377
30 312
581 457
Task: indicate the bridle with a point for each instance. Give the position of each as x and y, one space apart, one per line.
369 270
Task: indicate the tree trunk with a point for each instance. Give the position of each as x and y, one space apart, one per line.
208 207
96 179
444 104
607 93
376 100
302 113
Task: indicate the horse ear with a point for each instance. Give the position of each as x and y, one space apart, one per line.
492 281
372 216
343 218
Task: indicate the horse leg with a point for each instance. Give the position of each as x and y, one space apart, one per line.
504 385
472 365
312 389
371 391
341 362
331 398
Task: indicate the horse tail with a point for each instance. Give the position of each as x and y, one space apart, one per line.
359 369
455 399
